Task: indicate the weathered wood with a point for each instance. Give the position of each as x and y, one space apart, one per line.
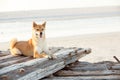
20 65
65 74
55 49
14 61
39 68
4 53
110 77
87 73
10 59
35 69
41 73
116 59
29 63
5 57
32 62
91 67
64 60
116 67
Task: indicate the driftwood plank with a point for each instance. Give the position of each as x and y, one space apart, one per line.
55 49
116 67
111 77
20 65
39 68
63 59
10 59
87 73
4 53
22 59
91 68
29 63
5 57
40 73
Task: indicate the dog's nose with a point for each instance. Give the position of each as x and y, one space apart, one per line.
40 33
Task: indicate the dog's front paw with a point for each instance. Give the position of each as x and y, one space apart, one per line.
52 57
49 57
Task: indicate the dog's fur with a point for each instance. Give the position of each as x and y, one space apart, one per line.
35 47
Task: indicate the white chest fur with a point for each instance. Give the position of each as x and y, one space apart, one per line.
41 46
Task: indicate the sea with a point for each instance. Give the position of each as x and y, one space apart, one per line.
60 28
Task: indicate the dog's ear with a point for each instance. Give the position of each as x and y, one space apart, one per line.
34 24
44 24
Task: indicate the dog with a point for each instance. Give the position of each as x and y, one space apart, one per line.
35 47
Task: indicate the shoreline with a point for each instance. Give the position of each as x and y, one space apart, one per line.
59 14
104 45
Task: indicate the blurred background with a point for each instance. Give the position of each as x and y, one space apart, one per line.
25 5
64 17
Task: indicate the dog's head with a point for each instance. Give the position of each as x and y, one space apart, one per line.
39 30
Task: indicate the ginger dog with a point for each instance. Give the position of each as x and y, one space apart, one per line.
36 46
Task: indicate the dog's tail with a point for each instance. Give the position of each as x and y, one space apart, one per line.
13 42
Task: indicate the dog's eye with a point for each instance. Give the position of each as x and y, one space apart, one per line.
42 29
37 29
36 34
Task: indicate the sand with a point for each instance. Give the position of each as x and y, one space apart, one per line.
104 46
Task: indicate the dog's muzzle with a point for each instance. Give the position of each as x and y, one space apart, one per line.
41 34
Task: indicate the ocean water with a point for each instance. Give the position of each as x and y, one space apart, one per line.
23 30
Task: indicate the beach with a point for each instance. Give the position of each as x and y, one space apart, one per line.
93 28
104 45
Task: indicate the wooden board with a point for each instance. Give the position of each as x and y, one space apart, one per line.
25 68
88 71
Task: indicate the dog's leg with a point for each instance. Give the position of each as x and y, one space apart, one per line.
36 55
15 52
37 52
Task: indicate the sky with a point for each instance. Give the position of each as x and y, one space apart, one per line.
18 5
